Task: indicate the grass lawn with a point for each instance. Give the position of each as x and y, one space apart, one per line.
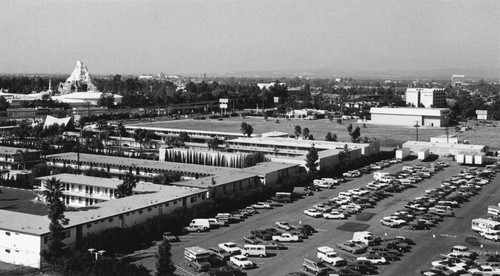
388 135
21 201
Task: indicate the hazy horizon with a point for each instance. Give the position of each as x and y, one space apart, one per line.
224 36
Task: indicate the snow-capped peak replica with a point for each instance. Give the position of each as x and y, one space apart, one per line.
78 81
78 89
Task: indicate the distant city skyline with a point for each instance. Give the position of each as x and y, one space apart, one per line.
228 36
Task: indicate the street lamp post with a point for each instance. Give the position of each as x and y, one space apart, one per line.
96 253
416 127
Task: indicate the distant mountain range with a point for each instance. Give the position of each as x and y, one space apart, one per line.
475 73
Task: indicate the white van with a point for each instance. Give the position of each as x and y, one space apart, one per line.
254 250
204 223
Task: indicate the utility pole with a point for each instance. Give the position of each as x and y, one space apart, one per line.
416 127
447 135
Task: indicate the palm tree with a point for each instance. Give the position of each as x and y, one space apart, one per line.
126 188
53 190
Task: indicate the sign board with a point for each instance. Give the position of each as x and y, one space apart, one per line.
482 117
481 112
223 101
223 105
276 99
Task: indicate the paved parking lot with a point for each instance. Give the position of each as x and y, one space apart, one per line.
430 243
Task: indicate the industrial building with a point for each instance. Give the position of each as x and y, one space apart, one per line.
444 149
410 116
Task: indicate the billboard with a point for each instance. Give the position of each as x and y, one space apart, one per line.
223 101
223 105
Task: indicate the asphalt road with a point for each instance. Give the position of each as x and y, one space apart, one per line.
430 243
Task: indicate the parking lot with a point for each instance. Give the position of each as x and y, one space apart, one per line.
430 243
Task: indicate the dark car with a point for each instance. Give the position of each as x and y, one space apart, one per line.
262 234
347 272
363 269
226 270
388 256
251 240
418 226
309 228
273 245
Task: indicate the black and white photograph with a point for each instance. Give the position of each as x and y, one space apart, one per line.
249 137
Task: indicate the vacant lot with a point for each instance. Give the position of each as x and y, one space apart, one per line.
388 135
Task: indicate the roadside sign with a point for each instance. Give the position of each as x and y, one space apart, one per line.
223 105
276 99
481 112
222 101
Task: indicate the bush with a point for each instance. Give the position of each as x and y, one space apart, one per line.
214 116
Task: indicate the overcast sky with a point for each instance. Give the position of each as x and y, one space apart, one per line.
221 36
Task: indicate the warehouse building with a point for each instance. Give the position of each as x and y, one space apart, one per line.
410 116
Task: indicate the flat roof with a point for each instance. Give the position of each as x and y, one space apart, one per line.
268 167
291 142
419 111
109 183
220 179
140 163
39 225
158 126
13 150
443 145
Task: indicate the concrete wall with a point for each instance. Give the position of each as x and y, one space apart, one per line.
400 120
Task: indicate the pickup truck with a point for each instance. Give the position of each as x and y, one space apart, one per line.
200 265
286 237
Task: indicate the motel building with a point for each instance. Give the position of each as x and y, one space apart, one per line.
24 234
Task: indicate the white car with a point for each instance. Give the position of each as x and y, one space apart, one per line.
230 247
493 237
284 225
485 270
358 191
261 205
373 258
322 208
334 215
241 261
313 213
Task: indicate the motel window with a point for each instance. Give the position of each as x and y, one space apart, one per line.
110 220
140 212
193 199
45 240
166 204
175 201
149 209
203 196
89 225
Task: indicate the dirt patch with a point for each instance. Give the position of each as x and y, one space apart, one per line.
364 216
353 227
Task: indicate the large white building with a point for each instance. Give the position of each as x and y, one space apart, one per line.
25 235
426 97
410 116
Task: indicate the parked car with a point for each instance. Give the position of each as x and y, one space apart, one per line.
493 237
350 247
334 214
251 240
262 234
170 237
374 258
242 261
284 225
230 247
261 205
220 253
313 213
195 228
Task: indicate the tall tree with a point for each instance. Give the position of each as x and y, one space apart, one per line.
298 131
312 161
355 134
126 188
306 133
349 128
53 195
164 264
213 143
329 137
142 136
249 130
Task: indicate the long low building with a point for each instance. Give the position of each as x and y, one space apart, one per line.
25 235
410 116
444 149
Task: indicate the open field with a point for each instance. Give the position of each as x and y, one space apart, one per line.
388 135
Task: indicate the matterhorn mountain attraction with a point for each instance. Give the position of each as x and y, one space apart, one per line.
79 90
79 81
